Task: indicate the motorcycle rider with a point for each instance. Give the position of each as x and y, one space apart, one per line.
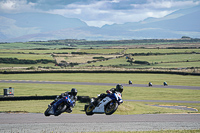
73 98
150 84
119 88
165 83
130 82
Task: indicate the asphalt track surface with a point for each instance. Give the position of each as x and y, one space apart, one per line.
98 84
37 122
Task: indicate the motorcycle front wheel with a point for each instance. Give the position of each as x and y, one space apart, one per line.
111 107
61 108
89 109
46 113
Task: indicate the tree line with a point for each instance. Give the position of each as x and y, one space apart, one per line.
24 61
74 42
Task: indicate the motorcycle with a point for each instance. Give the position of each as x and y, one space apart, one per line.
60 105
107 105
130 82
150 84
165 84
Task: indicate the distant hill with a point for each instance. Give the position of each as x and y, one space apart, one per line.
44 22
14 27
41 26
182 22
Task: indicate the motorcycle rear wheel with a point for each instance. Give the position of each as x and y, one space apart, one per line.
111 107
61 108
89 109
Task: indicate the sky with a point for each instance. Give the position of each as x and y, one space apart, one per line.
99 12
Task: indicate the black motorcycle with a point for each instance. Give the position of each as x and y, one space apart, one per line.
150 84
60 105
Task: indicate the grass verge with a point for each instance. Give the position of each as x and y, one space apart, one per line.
108 78
127 108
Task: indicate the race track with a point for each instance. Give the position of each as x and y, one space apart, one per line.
98 84
37 122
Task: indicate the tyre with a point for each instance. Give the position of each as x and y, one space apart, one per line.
111 107
61 108
89 109
46 113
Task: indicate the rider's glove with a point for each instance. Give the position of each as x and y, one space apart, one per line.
108 91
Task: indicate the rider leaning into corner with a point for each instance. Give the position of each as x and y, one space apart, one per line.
119 88
73 98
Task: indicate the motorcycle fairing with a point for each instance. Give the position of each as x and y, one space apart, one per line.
100 107
51 110
117 96
66 99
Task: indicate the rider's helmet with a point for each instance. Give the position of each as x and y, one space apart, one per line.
74 91
119 88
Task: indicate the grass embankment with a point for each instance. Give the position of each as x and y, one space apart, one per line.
130 93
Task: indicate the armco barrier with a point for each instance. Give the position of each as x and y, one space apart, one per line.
27 98
83 99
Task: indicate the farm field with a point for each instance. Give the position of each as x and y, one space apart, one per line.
163 54
101 50
26 56
103 58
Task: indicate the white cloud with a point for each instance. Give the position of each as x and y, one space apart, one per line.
98 23
166 4
98 13
16 6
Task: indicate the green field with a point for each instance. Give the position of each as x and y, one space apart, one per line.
130 93
101 50
109 78
127 108
22 45
27 56
157 58
167 61
155 50
32 51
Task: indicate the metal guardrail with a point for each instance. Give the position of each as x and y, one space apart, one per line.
83 99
